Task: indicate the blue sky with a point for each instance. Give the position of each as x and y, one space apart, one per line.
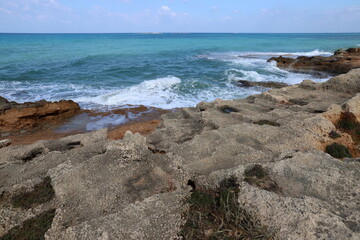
179 16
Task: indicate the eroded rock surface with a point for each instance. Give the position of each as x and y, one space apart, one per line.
341 62
15 116
136 188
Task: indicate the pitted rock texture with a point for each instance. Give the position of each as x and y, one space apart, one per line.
135 188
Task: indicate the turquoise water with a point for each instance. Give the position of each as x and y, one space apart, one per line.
161 70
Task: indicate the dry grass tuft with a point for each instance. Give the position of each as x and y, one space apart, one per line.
216 214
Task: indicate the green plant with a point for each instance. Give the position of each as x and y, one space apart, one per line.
216 214
338 151
346 124
43 192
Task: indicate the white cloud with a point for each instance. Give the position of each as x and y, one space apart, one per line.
226 18
166 10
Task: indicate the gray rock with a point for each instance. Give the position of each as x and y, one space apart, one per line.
136 188
5 143
270 84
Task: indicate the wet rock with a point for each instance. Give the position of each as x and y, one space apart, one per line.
341 62
15 116
137 187
270 84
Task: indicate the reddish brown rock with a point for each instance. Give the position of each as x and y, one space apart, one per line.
15 116
144 128
341 62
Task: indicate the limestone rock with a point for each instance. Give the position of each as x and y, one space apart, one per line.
345 83
5 143
136 188
341 62
353 106
14 116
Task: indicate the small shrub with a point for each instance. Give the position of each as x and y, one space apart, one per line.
216 214
267 122
32 229
43 192
338 151
347 125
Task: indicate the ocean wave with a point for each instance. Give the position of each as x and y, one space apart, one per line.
34 91
236 75
315 52
158 92
247 62
256 56
273 74
167 93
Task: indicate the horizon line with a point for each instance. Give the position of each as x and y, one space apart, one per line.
179 32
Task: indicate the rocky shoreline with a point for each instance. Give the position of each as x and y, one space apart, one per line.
288 160
26 123
341 62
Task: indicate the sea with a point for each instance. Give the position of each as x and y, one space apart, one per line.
163 70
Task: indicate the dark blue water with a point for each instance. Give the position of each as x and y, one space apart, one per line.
162 70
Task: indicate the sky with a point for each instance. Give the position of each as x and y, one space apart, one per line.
110 16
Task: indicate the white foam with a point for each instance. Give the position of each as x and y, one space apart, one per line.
167 93
158 92
256 56
236 75
269 72
315 52
247 62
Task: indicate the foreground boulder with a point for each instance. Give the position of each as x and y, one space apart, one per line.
269 149
341 62
15 116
